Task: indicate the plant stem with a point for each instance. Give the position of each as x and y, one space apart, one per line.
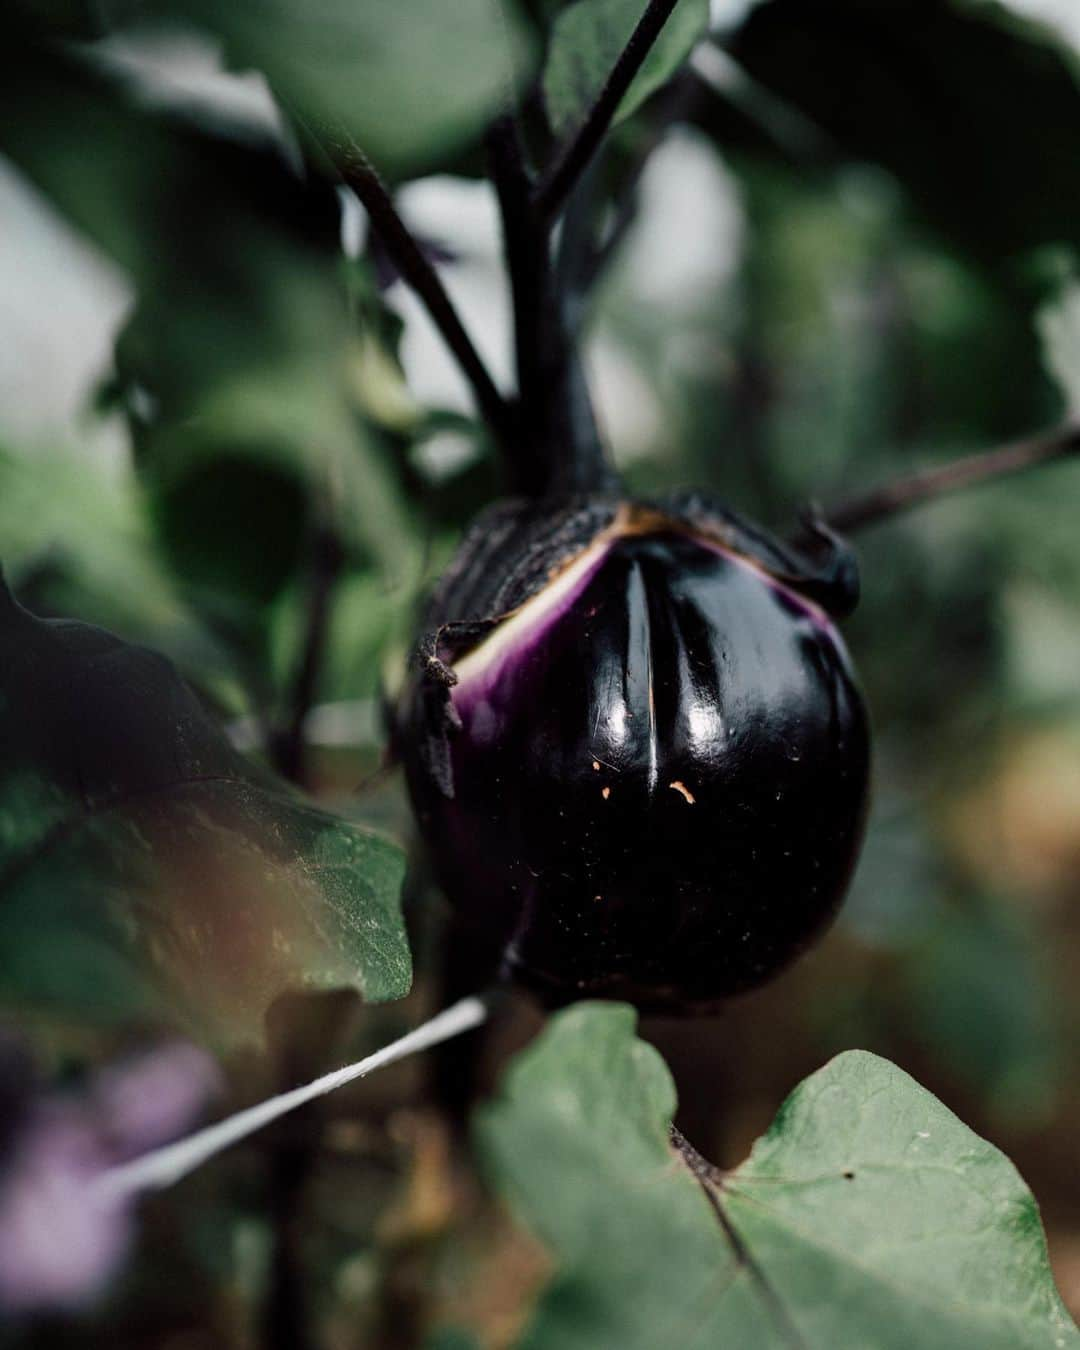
286 1313
559 449
290 748
881 503
359 174
303 1032
573 158
165 1166
525 247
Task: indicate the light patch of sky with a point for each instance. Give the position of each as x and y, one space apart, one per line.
175 69
463 216
62 300
1061 15
63 303
725 14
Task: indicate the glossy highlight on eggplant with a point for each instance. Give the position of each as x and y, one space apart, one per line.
641 770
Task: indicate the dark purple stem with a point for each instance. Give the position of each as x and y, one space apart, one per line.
881 503
290 750
559 448
358 173
573 158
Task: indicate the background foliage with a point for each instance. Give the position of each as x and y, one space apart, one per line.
853 251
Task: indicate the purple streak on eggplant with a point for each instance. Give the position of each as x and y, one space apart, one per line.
637 750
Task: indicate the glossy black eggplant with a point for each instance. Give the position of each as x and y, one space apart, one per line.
637 749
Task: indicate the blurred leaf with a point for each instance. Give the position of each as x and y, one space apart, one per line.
917 87
196 208
586 40
982 1001
147 871
867 1215
411 82
451 1338
235 366
75 541
933 674
897 886
236 488
1058 322
1042 652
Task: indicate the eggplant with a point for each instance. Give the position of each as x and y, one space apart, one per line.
636 747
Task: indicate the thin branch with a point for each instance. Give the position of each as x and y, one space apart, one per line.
881 503
359 174
570 162
676 103
164 1166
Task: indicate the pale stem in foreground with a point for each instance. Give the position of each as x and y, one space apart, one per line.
164 1166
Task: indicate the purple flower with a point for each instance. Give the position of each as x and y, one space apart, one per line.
62 1236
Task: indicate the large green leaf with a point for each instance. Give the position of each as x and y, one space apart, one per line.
147 871
867 1218
237 365
949 97
586 40
411 82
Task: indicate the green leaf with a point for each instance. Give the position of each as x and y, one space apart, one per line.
867 1216
980 997
233 488
238 364
147 871
411 82
916 86
74 539
586 40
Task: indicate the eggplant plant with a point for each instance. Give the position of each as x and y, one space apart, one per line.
634 745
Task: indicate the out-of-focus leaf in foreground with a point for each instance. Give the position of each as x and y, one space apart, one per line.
586 41
147 871
867 1215
916 87
410 82
235 365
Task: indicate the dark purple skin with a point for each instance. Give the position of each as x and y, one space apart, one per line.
637 750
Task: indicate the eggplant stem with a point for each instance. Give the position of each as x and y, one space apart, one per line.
573 157
327 562
358 173
559 448
884 502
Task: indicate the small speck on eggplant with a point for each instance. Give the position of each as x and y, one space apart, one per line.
637 749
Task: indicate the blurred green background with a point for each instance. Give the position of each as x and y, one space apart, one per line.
853 253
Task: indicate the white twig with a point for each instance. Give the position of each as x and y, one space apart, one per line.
163 1166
